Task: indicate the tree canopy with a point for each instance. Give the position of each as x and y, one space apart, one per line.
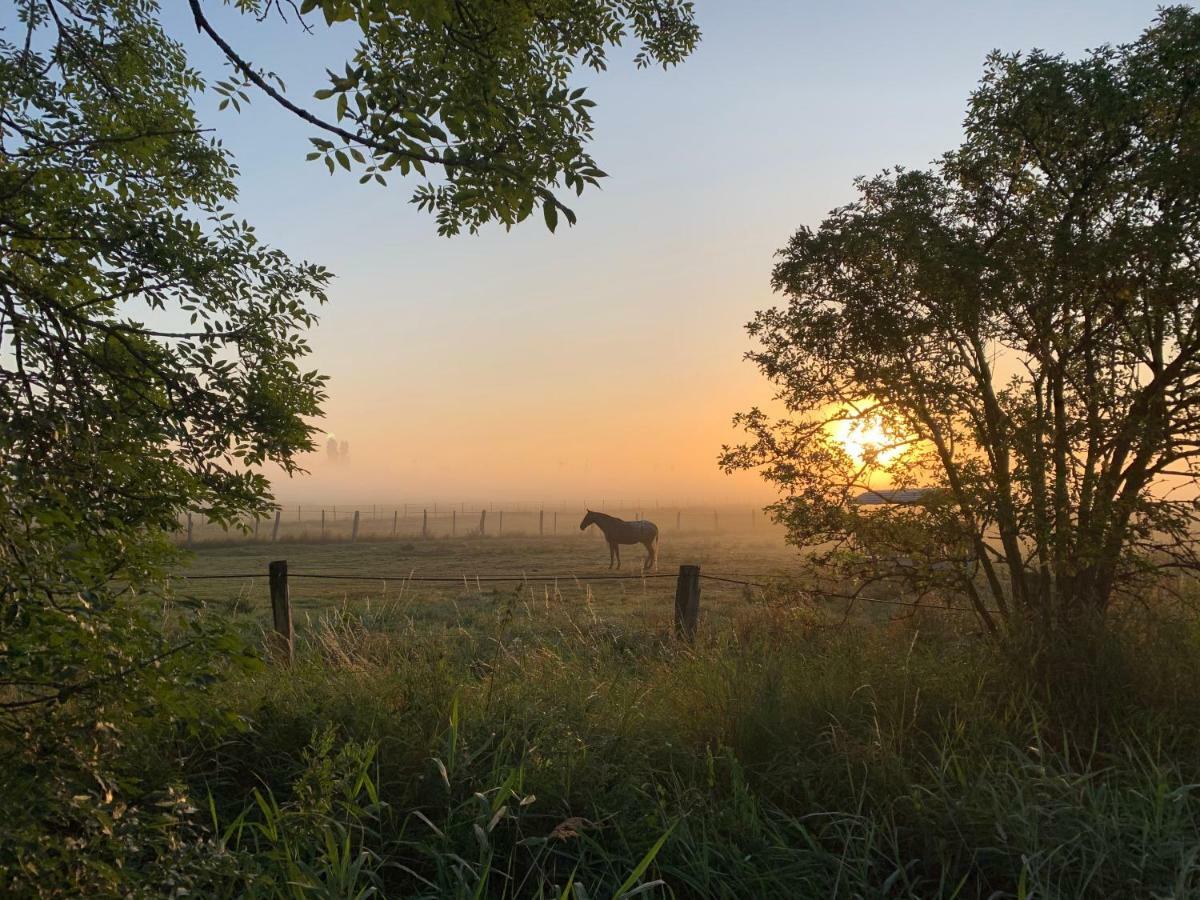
1016 330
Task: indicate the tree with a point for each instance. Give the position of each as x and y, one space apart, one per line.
1016 331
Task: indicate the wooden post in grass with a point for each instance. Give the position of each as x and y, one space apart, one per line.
542 523
354 528
395 520
687 602
453 522
275 530
282 639
500 523
424 523
482 520
189 537
322 523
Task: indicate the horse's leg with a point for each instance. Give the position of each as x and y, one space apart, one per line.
649 555
617 548
612 549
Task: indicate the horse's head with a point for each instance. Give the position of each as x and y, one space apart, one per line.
587 520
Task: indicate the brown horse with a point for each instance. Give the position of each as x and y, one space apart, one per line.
618 531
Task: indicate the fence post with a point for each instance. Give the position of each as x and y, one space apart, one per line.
482 520
275 530
424 523
395 520
500 523
322 523
453 522
687 602
354 528
283 639
542 523
189 538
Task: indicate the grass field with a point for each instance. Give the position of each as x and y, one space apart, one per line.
387 566
557 741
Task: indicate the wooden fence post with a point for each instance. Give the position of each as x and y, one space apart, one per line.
542 522
395 520
482 520
275 530
500 523
424 523
189 538
322 522
283 640
354 528
687 602
453 522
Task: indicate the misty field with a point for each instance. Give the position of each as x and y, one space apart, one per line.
387 570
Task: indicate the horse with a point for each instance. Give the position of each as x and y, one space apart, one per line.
618 531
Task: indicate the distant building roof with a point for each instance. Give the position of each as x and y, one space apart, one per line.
879 498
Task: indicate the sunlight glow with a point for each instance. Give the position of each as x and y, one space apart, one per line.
865 441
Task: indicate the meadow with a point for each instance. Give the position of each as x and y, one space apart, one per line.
534 740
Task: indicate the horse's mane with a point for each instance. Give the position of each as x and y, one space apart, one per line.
604 517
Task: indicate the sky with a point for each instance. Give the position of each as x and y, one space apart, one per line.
603 363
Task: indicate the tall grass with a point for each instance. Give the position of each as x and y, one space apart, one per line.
543 752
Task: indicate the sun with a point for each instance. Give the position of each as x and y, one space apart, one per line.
864 440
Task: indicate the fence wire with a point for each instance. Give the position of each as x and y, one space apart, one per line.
762 583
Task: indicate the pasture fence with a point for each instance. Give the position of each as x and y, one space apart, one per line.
354 522
687 593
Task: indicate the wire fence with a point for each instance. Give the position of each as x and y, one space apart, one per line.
761 582
373 522
455 579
